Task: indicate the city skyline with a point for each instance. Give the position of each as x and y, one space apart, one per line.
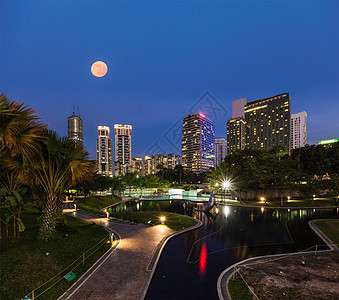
163 57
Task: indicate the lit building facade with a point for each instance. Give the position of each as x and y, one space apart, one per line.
137 165
123 148
268 122
152 163
74 125
197 144
104 151
172 160
149 165
220 150
236 134
298 130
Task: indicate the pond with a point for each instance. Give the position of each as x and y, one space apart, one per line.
191 263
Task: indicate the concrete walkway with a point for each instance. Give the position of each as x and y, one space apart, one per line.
124 272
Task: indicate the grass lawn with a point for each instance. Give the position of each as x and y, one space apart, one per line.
330 228
239 290
27 262
173 221
95 203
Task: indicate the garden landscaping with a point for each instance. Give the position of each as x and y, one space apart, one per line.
27 262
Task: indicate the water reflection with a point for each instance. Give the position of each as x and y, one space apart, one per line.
192 262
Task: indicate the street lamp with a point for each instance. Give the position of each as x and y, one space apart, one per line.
226 184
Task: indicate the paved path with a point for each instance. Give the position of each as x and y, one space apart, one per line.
123 273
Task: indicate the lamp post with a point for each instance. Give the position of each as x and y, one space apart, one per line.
226 185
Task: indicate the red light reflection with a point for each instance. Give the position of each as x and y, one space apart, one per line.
203 260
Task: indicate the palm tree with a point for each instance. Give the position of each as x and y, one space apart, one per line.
20 128
20 134
61 164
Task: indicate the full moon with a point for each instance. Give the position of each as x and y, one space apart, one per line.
99 69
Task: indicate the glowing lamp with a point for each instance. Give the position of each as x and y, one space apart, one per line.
226 184
162 219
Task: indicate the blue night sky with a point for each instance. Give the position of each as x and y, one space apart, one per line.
163 56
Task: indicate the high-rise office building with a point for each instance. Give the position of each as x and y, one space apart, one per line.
75 128
268 122
236 134
137 165
104 151
123 148
220 150
197 144
298 130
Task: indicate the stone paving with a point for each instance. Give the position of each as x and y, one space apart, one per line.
123 273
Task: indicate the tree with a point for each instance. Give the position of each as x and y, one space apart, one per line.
20 138
60 165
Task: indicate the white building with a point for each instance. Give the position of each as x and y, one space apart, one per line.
104 151
123 148
220 150
238 108
298 130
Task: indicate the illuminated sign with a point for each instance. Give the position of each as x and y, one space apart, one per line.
202 115
209 156
324 142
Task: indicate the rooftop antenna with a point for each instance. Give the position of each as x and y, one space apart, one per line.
78 111
73 108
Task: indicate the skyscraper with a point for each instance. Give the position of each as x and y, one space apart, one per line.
298 130
268 122
197 144
123 148
220 150
75 128
104 151
236 136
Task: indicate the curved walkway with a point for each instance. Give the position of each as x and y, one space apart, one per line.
225 276
124 271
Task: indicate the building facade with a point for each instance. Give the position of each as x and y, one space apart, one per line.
152 164
238 108
123 149
148 165
104 151
137 165
74 126
172 160
220 150
197 144
236 134
298 130
268 122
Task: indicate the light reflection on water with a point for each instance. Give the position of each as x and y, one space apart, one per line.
191 263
